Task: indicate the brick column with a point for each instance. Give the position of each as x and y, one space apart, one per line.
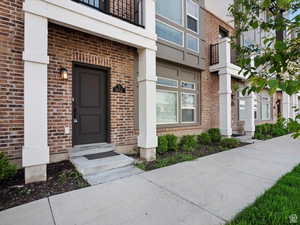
147 139
35 150
225 102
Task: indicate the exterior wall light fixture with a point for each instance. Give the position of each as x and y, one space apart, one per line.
64 73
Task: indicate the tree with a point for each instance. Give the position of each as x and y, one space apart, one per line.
277 56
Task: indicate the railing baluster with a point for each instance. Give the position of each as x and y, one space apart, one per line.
214 54
128 10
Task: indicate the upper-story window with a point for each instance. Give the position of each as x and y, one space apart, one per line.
170 9
192 43
169 33
192 15
223 33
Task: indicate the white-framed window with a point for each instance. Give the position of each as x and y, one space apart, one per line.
169 33
265 108
192 43
176 101
167 82
166 106
188 85
188 107
192 14
170 9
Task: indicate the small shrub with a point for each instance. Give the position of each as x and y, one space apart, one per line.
172 142
230 143
279 128
188 143
281 123
293 126
263 131
215 135
204 139
7 169
277 132
162 146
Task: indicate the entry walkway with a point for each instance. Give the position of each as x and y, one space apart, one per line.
207 191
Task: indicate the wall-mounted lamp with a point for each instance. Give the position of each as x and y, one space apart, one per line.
64 73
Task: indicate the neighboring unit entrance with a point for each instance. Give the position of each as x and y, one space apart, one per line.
89 105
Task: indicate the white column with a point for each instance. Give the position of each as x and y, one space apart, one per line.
250 120
224 52
35 150
293 106
285 105
149 15
225 102
147 139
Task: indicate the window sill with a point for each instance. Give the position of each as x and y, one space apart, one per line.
178 125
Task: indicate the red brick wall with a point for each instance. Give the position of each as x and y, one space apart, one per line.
212 24
209 97
11 77
67 46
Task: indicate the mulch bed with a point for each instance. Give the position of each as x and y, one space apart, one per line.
62 177
171 157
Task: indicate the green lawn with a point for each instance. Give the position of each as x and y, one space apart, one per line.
280 205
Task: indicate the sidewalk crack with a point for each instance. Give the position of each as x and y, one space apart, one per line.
51 210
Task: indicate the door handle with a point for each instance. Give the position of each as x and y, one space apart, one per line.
75 120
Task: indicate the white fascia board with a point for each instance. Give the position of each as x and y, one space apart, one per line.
89 20
234 70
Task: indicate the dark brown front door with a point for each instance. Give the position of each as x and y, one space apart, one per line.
89 105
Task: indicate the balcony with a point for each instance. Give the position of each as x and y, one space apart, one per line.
214 54
130 22
130 11
223 57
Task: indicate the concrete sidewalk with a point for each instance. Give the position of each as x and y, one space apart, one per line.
207 191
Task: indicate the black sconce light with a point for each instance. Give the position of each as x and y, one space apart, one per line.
64 73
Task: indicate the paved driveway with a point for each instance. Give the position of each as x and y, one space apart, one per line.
207 191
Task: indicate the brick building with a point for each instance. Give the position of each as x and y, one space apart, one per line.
75 73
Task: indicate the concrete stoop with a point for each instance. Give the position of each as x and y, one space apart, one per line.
99 163
247 139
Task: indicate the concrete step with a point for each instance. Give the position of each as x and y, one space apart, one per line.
80 148
91 167
112 175
246 139
89 151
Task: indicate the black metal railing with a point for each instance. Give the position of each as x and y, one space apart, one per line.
214 54
130 11
233 55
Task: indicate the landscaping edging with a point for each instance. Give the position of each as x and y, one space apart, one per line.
172 158
62 177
